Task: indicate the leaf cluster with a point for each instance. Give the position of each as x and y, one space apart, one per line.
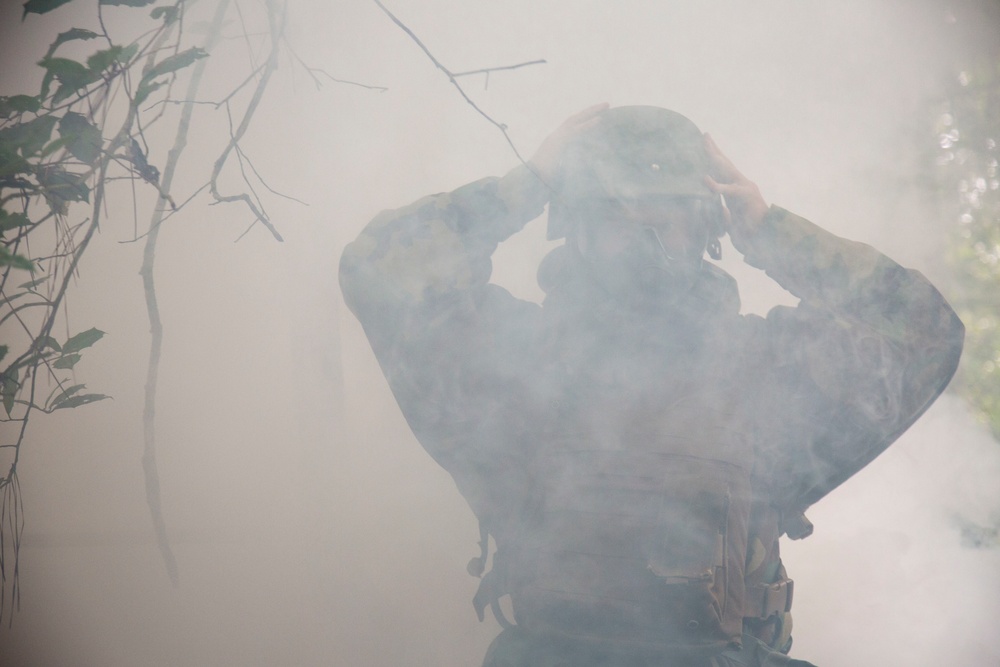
58 152
967 150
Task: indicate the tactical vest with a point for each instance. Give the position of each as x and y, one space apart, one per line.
636 532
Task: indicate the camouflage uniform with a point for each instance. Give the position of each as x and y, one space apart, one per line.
496 388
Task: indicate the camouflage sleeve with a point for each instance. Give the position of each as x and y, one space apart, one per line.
869 347
406 259
447 341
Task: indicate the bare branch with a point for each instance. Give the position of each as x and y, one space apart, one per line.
498 69
174 211
317 70
243 157
451 78
312 71
269 68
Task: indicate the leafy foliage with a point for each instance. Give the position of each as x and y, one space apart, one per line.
58 153
967 133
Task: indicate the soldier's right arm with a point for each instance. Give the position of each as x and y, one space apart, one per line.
437 248
418 280
406 260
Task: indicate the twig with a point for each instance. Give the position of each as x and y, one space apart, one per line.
312 70
380 89
451 77
498 69
173 212
258 94
243 157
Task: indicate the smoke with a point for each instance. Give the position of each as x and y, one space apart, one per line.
309 526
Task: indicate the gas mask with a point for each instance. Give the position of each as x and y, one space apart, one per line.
651 248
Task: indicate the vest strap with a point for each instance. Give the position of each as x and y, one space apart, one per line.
765 600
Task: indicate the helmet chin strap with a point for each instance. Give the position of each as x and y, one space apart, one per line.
665 269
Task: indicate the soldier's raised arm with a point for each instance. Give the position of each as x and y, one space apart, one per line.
417 278
870 346
440 245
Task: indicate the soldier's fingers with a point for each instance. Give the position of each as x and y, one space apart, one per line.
725 189
722 166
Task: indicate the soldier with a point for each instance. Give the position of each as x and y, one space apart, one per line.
635 446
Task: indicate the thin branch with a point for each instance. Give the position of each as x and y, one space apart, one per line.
312 71
451 78
498 69
243 173
258 94
243 157
380 89
173 212
246 36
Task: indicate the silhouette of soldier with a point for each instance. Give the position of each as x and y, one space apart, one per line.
634 445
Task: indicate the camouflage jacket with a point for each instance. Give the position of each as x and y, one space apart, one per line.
486 381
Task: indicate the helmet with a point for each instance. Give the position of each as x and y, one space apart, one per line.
633 153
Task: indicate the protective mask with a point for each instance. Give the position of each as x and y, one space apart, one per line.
639 267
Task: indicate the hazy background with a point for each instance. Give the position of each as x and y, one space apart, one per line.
309 526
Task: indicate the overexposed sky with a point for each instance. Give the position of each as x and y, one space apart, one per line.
309 526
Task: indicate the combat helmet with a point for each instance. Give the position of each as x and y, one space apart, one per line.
634 152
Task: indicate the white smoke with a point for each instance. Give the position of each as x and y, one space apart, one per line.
310 528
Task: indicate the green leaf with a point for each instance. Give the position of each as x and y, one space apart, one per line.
144 90
49 341
169 14
32 284
71 34
63 395
3 351
8 389
127 3
10 162
60 186
53 146
71 74
77 401
63 92
7 258
28 137
84 139
165 66
82 340
103 59
10 220
67 360
174 63
18 104
40 7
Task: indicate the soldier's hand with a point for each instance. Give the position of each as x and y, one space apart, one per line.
545 162
745 207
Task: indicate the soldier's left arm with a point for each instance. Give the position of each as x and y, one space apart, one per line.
869 347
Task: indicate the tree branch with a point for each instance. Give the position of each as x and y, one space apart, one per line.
451 77
258 94
150 470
